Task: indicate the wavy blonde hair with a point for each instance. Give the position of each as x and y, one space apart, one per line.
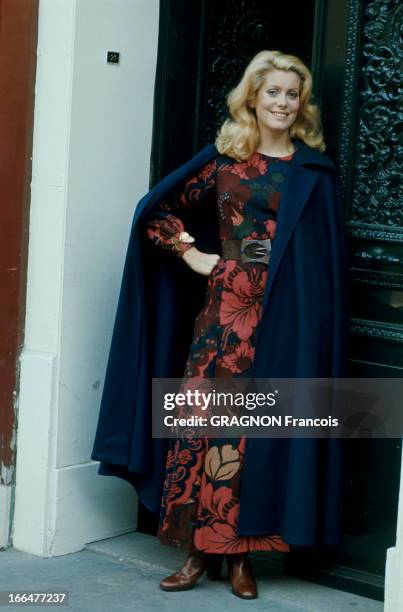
239 136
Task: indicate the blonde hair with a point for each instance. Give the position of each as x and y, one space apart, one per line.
239 136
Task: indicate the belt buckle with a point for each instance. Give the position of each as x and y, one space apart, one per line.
255 250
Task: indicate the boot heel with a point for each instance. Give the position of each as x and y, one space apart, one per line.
214 567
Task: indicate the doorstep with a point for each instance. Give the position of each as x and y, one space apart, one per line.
277 591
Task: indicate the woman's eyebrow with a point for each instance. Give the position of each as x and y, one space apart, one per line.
278 87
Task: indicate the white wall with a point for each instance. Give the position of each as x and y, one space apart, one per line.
91 155
394 562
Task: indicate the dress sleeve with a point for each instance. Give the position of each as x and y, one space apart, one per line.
164 228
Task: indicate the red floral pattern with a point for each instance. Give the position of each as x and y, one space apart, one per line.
200 499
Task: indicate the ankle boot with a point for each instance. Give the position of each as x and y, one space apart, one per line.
241 575
195 565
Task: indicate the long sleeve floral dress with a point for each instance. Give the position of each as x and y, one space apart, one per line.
200 499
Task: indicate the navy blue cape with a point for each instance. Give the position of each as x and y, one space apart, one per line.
290 487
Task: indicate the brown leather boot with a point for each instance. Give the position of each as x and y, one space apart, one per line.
241 575
195 565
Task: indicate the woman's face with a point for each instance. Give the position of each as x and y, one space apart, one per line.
277 101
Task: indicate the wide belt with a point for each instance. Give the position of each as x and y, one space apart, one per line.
247 250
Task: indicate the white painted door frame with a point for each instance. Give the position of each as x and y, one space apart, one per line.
91 159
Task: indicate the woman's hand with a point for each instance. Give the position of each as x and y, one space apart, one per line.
202 263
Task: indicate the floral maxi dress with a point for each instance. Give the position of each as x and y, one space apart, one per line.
201 489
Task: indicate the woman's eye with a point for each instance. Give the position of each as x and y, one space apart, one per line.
274 92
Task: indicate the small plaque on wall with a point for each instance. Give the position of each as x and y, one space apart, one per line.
113 57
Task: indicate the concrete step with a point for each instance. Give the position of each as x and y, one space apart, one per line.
122 574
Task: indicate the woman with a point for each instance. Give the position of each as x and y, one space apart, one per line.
278 283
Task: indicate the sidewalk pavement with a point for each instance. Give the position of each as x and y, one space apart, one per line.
121 574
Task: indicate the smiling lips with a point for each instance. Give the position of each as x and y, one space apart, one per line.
279 114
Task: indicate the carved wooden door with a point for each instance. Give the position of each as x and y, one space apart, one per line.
352 49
